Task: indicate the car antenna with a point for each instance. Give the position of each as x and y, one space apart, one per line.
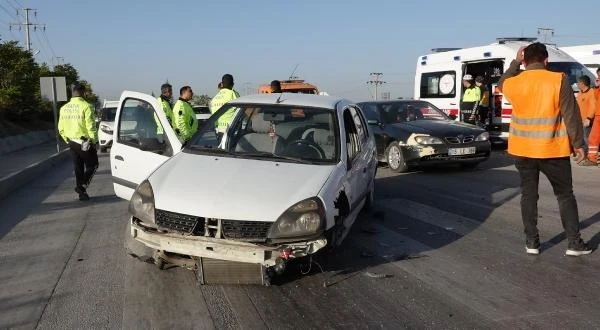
292 77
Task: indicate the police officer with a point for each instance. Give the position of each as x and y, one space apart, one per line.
484 104
276 86
225 94
470 100
545 125
76 126
166 95
184 118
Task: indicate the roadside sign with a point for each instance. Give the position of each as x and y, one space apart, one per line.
54 89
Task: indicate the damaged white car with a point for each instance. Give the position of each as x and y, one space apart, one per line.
268 179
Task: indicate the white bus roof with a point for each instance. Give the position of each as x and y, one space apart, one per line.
498 50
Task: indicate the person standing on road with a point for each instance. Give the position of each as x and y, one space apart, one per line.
276 86
594 138
165 99
484 102
77 128
184 117
470 100
586 99
545 125
225 94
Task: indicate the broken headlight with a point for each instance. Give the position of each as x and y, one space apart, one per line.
303 219
483 137
141 205
428 140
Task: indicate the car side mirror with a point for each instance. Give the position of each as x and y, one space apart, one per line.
452 117
152 145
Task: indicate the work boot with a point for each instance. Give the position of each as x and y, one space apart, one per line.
532 245
578 248
83 196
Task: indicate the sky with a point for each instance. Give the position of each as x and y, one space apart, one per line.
137 45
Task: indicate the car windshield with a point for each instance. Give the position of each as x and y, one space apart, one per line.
283 133
573 70
201 110
108 114
400 112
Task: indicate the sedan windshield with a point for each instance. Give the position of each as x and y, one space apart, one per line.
402 111
283 133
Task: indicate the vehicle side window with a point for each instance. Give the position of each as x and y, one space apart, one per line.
139 126
371 111
352 136
440 84
360 123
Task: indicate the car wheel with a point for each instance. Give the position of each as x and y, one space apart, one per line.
137 249
395 158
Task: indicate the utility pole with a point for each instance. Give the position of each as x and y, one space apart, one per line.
376 82
545 32
27 24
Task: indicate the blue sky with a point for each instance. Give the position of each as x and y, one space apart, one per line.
136 45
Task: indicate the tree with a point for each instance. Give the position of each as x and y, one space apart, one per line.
90 96
201 99
19 80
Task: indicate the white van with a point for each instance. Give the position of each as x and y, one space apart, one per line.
439 75
588 55
107 124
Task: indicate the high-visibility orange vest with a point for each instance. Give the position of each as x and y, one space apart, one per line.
537 129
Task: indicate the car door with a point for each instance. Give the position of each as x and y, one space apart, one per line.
142 141
355 160
367 147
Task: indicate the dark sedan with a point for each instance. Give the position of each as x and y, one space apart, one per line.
411 133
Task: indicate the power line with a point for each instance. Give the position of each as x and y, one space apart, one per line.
13 6
48 43
45 50
12 16
27 24
376 82
18 3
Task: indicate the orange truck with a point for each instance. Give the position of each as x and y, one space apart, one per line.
291 86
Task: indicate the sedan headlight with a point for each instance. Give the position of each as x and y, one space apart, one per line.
428 140
106 129
141 205
485 136
303 219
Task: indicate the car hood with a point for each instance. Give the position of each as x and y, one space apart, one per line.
439 127
234 188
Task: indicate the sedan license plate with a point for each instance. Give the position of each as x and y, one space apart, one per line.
461 151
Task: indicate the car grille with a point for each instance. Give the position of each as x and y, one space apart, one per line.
459 139
245 230
216 228
182 223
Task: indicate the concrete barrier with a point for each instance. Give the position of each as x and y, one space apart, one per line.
10 183
18 142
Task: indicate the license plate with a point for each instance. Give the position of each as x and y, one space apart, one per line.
461 151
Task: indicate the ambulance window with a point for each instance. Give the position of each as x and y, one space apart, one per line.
440 84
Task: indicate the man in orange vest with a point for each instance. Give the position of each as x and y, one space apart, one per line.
589 102
545 124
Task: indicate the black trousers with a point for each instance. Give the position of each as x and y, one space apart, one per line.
558 172
84 162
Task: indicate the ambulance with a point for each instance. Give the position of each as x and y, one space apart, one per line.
588 55
438 78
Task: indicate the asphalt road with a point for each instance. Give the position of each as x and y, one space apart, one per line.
443 250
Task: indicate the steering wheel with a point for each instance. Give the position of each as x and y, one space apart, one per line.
307 132
304 145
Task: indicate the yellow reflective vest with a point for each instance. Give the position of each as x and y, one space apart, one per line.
76 121
223 96
184 120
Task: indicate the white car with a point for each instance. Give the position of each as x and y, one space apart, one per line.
106 126
287 178
202 113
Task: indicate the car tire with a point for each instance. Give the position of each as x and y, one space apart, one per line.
395 158
137 249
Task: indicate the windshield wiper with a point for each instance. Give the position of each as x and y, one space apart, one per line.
212 150
263 154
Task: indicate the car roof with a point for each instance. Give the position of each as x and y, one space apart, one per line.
297 99
392 101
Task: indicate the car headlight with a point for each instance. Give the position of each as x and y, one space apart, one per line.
106 129
141 205
303 219
428 140
485 136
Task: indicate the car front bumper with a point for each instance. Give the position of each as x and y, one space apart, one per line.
222 249
104 139
438 154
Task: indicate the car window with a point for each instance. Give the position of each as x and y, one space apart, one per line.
361 126
371 111
353 140
108 114
290 133
400 112
201 110
139 126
